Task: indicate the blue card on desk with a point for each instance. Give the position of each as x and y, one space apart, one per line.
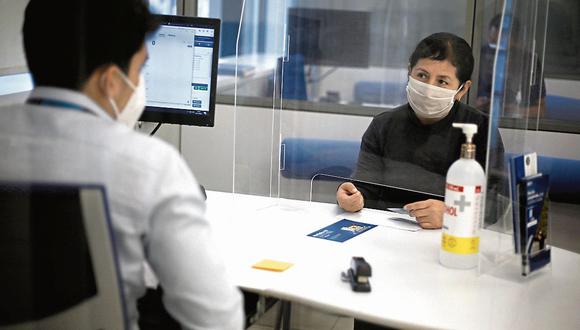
342 230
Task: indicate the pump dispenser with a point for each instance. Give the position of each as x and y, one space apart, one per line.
464 188
468 148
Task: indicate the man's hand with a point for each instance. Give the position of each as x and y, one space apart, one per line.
428 213
349 198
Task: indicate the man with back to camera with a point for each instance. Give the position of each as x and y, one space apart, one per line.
414 145
85 58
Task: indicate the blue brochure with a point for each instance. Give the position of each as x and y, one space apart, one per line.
342 230
520 166
533 194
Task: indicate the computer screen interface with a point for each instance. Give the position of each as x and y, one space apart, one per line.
181 71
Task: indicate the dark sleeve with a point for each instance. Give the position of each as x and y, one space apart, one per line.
538 88
485 76
498 175
369 167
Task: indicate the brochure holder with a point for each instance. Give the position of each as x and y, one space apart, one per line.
516 109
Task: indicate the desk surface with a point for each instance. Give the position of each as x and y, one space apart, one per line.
409 286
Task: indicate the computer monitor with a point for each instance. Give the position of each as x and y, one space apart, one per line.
330 37
181 71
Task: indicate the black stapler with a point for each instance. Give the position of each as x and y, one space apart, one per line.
358 275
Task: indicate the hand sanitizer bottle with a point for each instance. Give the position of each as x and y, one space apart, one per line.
463 207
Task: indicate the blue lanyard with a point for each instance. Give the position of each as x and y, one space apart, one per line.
58 104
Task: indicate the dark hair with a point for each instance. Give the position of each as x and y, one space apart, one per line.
496 22
65 41
446 46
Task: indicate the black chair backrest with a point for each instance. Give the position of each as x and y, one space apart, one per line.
49 260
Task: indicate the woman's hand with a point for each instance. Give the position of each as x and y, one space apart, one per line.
429 213
349 198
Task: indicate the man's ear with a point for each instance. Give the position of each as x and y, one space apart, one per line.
463 91
107 82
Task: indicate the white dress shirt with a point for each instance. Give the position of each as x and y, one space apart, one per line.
156 205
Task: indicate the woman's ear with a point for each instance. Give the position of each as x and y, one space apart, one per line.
463 91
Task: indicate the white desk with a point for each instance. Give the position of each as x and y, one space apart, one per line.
409 287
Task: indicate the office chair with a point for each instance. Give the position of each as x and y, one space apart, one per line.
58 268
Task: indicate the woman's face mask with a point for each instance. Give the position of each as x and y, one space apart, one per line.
430 101
136 104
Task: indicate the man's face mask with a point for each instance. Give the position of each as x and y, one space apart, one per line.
430 101
136 104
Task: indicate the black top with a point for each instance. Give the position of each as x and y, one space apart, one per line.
398 150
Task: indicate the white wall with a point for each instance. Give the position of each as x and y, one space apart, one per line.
561 87
209 150
11 51
551 144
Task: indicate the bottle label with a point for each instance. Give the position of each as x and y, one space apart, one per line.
461 219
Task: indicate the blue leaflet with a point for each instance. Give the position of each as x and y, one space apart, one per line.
342 230
520 167
533 196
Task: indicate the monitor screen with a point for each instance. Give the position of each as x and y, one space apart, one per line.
181 72
329 36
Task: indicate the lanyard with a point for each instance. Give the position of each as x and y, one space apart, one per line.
58 104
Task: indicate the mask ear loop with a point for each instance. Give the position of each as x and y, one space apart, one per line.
458 90
127 80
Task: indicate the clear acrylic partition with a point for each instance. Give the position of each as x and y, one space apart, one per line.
346 63
516 102
260 45
320 71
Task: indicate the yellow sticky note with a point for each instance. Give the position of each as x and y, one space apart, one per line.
273 265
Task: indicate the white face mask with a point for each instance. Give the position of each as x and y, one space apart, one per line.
136 104
430 101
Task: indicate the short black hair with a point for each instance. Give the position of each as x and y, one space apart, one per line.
496 22
446 46
65 41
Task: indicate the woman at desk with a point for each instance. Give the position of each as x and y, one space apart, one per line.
413 145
